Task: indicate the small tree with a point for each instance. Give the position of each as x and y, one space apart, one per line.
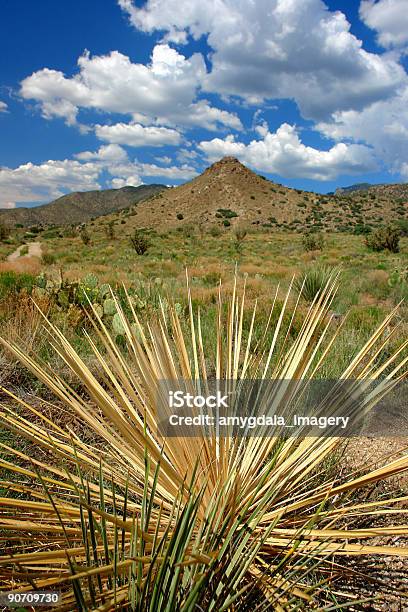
85 237
139 242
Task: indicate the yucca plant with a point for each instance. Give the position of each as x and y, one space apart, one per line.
134 521
314 280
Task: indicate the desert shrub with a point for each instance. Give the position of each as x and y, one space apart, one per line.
50 233
313 241
226 223
48 259
384 238
85 237
215 231
402 226
180 216
226 213
313 281
24 251
110 230
240 234
4 231
140 242
188 230
70 232
13 283
361 229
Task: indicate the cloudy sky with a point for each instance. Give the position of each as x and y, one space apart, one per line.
107 93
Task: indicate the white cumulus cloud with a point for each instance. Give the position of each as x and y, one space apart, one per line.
269 49
283 153
136 135
106 153
389 18
382 125
3 107
162 92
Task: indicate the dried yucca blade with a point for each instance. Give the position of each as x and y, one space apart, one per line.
168 523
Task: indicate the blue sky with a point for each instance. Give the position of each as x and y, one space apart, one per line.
106 94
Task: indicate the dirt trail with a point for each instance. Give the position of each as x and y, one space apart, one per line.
34 250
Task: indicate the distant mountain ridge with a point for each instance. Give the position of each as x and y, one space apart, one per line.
79 207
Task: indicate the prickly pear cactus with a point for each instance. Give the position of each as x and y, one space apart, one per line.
90 281
109 307
104 291
117 325
136 332
98 309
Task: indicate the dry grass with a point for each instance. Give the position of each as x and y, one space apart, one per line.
23 265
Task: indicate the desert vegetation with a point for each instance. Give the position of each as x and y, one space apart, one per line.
96 504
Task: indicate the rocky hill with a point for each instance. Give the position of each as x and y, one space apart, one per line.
78 207
225 194
355 187
228 193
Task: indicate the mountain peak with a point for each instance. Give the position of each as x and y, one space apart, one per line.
226 166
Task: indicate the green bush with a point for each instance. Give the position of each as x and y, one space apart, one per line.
226 223
361 229
313 241
384 238
226 213
402 226
180 216
13 283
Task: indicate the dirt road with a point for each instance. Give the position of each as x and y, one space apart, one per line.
34 250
